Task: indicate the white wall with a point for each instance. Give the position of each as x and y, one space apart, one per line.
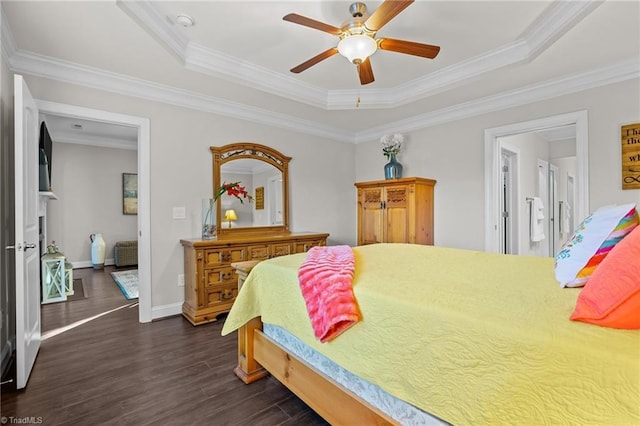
181 173
88 183
453 154
322 172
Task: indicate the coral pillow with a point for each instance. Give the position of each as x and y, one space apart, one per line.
591 243
611 298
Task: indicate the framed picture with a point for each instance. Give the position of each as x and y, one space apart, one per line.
129 193
260 198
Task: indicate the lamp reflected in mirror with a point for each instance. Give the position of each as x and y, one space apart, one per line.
230 216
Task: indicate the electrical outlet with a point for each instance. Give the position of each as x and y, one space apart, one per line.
180 280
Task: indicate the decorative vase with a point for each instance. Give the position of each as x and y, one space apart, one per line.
393 169
209 226
98 250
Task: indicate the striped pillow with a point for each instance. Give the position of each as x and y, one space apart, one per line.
593 240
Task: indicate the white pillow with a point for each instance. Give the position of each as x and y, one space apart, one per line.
592 241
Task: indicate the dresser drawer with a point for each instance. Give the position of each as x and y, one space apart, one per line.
223 256
211 284
280 249
219 296
258 252
305 246
220 276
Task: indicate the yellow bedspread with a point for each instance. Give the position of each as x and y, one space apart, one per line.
471 337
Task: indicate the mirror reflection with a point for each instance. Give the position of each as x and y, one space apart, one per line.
264 183
263 172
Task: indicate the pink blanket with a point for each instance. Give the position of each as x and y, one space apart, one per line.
326 278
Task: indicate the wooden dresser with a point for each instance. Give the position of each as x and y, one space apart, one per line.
395 211
211 283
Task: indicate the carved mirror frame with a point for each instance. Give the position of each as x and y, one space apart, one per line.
249 150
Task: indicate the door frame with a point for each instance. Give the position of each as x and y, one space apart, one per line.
513 232
144 187
492 167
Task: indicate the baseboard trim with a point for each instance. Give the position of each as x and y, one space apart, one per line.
79 264
163 311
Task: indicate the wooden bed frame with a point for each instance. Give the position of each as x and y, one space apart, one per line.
259 356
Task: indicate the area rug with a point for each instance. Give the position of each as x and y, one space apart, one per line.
128 282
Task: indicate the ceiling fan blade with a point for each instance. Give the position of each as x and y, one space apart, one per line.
385 12
365 72
311 62
409 47
312 23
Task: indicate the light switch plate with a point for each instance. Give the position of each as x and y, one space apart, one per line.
179 213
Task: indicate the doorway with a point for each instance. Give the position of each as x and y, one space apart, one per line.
143 220
493 169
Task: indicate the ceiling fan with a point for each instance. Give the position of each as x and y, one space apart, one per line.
357 37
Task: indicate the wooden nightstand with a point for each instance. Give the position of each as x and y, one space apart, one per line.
243 269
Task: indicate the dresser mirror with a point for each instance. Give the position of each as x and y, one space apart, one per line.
263 171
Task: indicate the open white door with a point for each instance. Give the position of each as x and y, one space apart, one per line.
27 232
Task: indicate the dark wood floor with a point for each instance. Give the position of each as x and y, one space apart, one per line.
114 370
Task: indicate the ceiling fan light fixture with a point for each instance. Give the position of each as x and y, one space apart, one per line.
357 48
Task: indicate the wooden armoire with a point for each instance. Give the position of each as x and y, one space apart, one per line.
395 211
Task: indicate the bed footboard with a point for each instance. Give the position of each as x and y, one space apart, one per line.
334 403
248 369
258 356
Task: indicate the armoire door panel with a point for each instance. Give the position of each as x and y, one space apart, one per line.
396 211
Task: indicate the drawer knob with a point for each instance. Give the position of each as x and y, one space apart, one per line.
227 275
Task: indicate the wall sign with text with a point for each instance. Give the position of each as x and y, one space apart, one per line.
630 135
260 198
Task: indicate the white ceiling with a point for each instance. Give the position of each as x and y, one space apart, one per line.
237 56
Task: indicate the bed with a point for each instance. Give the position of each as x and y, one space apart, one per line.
467 337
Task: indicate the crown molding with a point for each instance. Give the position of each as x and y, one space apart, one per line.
610 74
435 82
555 21
215 63
76 74
82 75
157 25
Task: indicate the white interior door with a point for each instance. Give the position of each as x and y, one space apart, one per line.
509 232
543 192
27 232
275 201
554 217
570 206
